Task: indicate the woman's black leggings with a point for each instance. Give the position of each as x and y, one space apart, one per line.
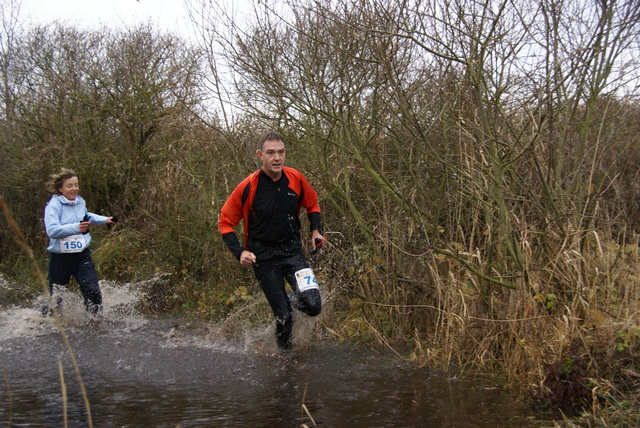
80 265
271 275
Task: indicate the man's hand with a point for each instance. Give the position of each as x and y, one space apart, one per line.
317 241
247 258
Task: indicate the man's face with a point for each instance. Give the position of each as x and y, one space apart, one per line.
272 156
70 188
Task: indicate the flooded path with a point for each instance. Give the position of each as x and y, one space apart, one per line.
158 372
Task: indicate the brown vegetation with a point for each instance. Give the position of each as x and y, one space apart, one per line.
477 165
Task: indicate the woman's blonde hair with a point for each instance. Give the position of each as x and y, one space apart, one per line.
56 180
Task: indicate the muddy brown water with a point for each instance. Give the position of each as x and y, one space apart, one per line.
141 371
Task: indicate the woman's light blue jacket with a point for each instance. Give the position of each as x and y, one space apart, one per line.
62 219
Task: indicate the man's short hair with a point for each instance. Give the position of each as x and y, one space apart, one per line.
269 136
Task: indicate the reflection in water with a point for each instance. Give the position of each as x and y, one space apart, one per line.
144 371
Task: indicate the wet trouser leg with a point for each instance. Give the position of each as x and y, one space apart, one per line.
80 265
308 301
271 275
271 279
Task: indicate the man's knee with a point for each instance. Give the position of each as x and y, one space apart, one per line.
314 311
311 302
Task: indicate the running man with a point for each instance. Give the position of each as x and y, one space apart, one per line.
269 202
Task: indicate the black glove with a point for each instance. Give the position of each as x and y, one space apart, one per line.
85 218
319 243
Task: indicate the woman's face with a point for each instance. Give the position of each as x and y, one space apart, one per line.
69 188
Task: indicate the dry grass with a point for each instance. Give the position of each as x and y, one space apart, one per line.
567 337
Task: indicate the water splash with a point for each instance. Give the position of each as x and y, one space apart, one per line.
119 308
122 315
234 336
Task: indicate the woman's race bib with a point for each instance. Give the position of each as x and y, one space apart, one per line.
72 244
306 280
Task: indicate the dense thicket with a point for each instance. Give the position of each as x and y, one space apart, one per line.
477 164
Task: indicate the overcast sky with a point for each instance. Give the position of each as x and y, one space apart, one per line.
167 14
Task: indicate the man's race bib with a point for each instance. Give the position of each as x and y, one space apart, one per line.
72 244
306 280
